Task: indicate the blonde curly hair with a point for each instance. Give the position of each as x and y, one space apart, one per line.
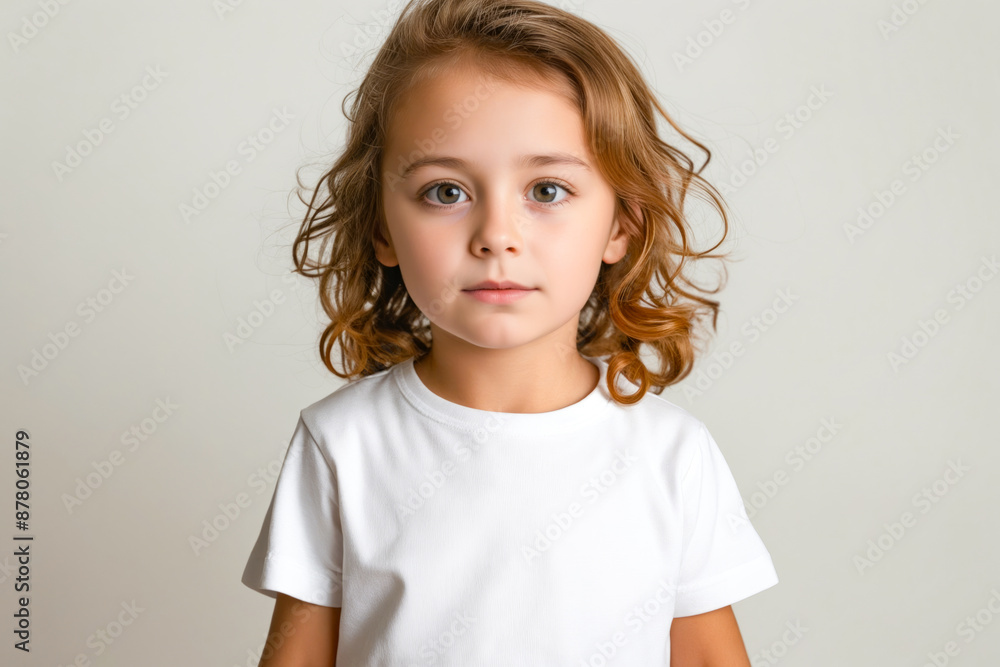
371 313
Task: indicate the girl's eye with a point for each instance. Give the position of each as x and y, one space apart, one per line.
549 188
449 193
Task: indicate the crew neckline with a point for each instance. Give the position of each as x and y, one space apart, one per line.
462 417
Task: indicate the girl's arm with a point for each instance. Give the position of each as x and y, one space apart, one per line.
301 635
711 639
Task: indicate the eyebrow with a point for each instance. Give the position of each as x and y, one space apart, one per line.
524 161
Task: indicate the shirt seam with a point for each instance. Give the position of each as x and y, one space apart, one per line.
703 431
280 557
721 576
463 426
329 465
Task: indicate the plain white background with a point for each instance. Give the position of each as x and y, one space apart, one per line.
883 336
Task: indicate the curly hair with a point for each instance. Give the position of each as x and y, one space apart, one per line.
645 298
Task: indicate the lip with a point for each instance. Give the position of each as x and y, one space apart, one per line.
498 296
494 285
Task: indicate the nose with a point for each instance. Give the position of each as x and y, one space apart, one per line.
497 225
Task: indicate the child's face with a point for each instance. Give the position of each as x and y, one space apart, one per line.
496 219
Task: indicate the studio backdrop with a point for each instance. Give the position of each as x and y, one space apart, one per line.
157 348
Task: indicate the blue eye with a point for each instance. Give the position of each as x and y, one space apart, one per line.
449 193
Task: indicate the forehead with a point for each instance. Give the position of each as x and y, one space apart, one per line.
465 109
483 70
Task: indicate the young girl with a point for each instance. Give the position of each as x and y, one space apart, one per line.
499 481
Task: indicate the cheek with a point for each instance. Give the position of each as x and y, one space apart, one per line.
428 262
570 248
571 262
571 268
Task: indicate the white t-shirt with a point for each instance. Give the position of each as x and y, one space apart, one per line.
456 536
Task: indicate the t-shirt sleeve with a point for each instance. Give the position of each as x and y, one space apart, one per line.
299 551
723 558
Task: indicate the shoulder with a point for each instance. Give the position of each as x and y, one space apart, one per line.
341 408
674 434
675 423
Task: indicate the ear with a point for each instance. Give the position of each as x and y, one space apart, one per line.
384 252
618 241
